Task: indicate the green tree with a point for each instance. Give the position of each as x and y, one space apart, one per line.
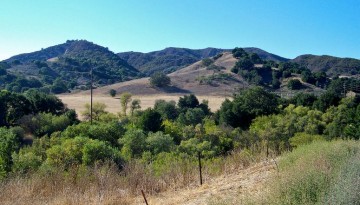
294 84
96 150
125 98
45 103
188 101
59 86
112 92
13 107
192 116
135 105
247 105
167 110
244 64
159 79
239 53
150 121
303 99
255 58
97 111
159 142
9 143
133 143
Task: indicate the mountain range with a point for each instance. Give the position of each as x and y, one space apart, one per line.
172 59
67 66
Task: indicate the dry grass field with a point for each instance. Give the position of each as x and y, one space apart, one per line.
77 102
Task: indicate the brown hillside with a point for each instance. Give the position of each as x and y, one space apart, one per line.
184 81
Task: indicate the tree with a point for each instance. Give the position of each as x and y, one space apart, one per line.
3 71
45 103
159 79
159 142
133 143
167 110
150 121
294 84
9 143
255 58
97 111
303 99
244 64
239 52
247 105
12 107
135 105
59 86
188 101
112 92
192 116
125 98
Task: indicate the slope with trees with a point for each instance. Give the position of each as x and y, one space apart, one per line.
67 66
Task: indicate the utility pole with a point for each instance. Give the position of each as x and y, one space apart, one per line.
200 171
91 95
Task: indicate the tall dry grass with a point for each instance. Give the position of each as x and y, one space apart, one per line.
317 174
106 184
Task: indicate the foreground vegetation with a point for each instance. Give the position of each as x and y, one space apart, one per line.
47 156
321 172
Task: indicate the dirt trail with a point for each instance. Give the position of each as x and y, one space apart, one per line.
229 189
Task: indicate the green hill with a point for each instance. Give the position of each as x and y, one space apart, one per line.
66 66
333 66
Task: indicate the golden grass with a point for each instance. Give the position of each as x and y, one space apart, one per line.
105 184
77 102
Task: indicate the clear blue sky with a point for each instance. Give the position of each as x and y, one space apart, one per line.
284 27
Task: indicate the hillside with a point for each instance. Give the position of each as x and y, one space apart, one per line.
186 80
172 59
333 66
67 66
210 84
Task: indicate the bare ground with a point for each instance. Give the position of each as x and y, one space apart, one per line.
234 188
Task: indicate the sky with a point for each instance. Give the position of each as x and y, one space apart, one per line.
284 27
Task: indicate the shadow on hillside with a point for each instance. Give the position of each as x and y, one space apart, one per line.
173 89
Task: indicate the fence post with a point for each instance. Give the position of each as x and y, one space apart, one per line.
143 194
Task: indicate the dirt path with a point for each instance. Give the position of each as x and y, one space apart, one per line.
226 189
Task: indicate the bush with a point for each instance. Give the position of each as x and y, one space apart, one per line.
207 61
8 144
133 143
159 142
96 150
44 123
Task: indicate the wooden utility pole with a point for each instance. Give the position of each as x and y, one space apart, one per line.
199 158
91 95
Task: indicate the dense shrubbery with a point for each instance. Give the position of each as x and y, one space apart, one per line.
254 121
